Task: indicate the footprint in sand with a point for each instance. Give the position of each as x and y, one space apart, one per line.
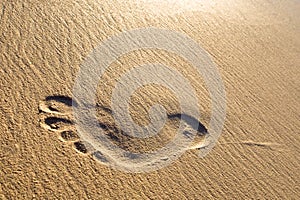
56 115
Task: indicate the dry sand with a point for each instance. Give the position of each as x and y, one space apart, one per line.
255 45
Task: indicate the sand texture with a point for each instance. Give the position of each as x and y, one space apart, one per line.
255 46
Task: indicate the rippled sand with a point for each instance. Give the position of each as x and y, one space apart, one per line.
255 45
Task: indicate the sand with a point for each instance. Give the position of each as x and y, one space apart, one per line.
255 46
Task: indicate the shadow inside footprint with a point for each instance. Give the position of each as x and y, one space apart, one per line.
79 146
63 99
55 122
100 157
69 135
191 121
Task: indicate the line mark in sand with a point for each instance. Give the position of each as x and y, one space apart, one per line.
56 115
250 143
3 11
